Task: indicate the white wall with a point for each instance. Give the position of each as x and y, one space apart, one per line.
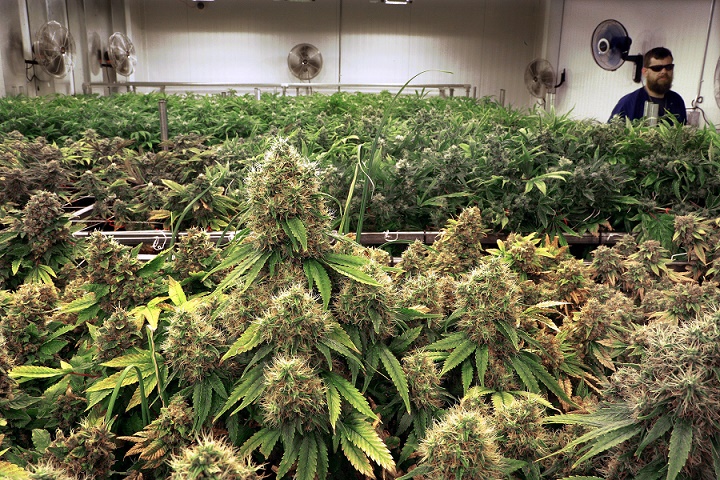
485 43
680 25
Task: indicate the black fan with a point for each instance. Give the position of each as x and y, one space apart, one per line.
610 45
305 61
539 77
54 48
121 54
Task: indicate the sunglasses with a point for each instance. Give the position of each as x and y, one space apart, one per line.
658 68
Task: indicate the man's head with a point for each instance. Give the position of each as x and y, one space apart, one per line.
658 70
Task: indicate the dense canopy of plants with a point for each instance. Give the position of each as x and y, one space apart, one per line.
432 157
294 352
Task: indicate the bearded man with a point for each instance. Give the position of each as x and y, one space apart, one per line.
657 71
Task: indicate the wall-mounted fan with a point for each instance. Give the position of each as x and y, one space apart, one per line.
53 49
305 61
539 78
610 46
121 54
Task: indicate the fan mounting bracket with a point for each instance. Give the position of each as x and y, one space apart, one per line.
637 66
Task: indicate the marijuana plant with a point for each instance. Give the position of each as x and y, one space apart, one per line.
212 459
660 414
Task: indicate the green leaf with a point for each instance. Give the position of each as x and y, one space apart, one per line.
482 358
177 296
298 230
288 459
350 393
509 332
41 439
356 456
27 371
609 440
251 338
139 358
662 425
526 375
202 402
265 439
347 260
360 433
418 472
541 374
466 374
680 446
400 343
109 383
12 471
318 276
150 268
395 371
449 342
353 273
460 353
500 399
307 463
249 386
79 304
334 404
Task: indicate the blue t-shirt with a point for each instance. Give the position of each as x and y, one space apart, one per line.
632 105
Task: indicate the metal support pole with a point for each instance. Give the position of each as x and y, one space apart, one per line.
162 107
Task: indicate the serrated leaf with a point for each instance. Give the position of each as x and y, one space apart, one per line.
395 371
466 371
52 347
357 457
400 343
298 230
288 459
609 440
251 338
339 335
142 357
307 462
680 446
482 358
449 342
318 276
41 439
323 459
334 403
110 382
264 439
525 374
509 332
344 259
542 374
176 293
79 304
360 433
500 399
250 384
353 273
663 424
29 371
350 393
458 355
151 267
202 402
